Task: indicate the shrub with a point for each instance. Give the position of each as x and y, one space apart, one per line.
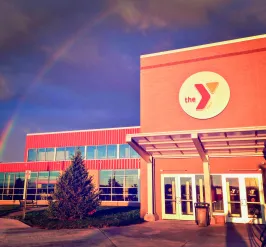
75 195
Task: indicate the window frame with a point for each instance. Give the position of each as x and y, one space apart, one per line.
32 149
104 157
46 153
107 152
125 145
38 152
70 147
64 154
94 152
123 187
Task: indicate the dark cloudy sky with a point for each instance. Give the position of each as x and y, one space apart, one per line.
74 64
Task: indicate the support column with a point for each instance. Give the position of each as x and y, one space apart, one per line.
207 184
150 216
206 171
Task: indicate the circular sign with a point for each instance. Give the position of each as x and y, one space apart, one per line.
204 95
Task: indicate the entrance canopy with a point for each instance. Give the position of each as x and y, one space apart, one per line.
231 142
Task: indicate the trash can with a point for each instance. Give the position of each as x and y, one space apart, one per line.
202 211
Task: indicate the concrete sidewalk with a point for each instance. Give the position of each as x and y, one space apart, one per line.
149 234
14 233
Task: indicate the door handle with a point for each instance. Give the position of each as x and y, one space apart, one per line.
243 202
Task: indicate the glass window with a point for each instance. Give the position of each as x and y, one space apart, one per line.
119 185
105 178
53 176
2 180
133 153
9 186
131 181
200 194
70 151
112 151
124 151
91 152
42 186
101 152
117 181
32 155
32 186
49 154
9 180
52 181
217 193
41 154
43 178
60 154
32 182
19 184
82 150
131 172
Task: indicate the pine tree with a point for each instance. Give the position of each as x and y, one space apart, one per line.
75 195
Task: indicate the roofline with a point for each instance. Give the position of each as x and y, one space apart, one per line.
199 131
88 130
226 42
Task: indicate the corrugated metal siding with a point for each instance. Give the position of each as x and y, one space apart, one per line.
62 165
101 137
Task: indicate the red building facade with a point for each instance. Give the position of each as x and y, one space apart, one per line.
203 129
106 154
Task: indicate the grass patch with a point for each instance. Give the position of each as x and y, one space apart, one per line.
7 209
104 217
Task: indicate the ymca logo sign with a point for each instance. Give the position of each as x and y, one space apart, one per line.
204 95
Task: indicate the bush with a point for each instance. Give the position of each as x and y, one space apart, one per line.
75 196
104 217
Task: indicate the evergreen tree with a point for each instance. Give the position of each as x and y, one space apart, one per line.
75 195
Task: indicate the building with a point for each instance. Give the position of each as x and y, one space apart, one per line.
202 131
112 162
200 139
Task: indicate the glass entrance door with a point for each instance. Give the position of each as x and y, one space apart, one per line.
178 197
244 198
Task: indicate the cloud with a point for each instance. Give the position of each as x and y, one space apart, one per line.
149 14
178 14
13 22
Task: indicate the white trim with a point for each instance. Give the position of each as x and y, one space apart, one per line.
170 149
150 188
138 184
117 151
226 42
88 130
255 138
85 152
54 153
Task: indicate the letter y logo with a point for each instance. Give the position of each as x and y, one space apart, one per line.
204 95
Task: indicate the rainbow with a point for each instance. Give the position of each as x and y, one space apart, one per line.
62 50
